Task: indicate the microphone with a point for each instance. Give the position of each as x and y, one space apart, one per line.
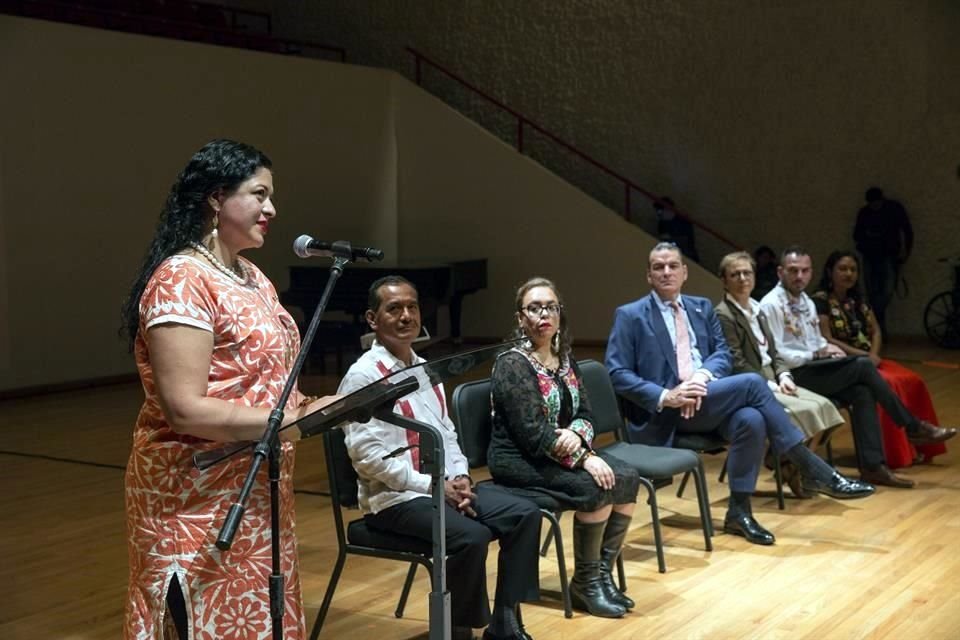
307 247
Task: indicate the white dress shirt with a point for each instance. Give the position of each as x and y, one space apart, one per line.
385 483
666 310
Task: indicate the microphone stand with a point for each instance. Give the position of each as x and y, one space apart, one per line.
269 448
432 462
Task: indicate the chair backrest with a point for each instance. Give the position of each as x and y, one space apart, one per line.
471 415
602 397
341 477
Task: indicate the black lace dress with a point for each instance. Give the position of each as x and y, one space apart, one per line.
529 403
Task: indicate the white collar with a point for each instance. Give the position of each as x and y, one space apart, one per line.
667 304
752 311
394 363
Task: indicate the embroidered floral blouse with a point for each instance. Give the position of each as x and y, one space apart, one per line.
560 404
848 319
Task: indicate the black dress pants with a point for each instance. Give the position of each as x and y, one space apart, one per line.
514 521
857 383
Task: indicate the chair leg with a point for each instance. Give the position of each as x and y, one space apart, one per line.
328 596
703 499
723 471
683 484
546 541
402 604
778 476
657 536
561 562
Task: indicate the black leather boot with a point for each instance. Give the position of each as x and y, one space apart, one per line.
587 591
613 537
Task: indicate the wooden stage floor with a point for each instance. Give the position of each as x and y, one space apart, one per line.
883 567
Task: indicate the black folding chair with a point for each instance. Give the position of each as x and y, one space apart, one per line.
656 465
471 414
715 445
358 538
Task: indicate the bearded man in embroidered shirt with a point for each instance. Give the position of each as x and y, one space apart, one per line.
825 369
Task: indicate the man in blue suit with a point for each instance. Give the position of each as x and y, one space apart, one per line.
668 358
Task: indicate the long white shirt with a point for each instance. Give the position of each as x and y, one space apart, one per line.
385 483
794 324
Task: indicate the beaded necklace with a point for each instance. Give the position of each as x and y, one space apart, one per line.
242 278
286 338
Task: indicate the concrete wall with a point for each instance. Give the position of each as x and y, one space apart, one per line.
464 193
766 119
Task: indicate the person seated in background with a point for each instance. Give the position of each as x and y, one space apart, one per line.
765 271
675 227
753 351
542 439
669 360
821 367
848 321
395 496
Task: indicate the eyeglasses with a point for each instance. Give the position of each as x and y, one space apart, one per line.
745 274
535 310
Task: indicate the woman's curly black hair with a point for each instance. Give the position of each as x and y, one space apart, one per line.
221 165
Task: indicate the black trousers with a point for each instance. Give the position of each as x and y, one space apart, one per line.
857 383
513 521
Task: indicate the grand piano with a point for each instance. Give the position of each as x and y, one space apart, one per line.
438 285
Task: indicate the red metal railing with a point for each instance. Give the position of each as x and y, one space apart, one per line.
177 19
523 122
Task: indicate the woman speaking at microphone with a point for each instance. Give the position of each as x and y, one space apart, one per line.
214 349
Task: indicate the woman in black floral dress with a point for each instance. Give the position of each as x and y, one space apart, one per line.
543 439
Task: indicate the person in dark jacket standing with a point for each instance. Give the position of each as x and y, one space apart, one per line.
884 238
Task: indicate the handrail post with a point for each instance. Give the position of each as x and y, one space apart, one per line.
520 135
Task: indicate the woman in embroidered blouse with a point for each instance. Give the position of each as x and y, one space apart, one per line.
754 351
847 321
213 348
542 440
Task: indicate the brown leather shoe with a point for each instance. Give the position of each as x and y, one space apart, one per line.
882 475
927 433
794 479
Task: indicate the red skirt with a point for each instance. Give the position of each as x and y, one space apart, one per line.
912 391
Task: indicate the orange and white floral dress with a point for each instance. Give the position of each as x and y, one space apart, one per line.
174 511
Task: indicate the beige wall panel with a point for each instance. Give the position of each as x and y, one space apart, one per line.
96 126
